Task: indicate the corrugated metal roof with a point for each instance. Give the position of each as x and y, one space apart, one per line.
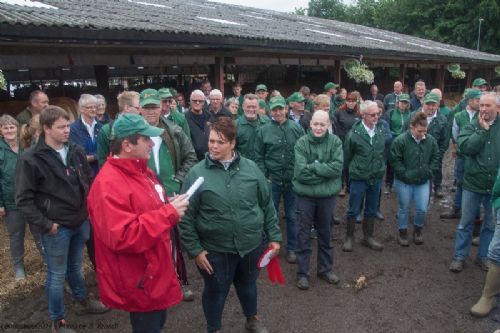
206 18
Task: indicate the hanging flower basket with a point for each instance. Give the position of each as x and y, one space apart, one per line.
497 70
3 82
460 75
358 72
452 68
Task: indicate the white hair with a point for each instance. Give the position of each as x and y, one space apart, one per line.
86 99
100 98
366 105
197 92
215 92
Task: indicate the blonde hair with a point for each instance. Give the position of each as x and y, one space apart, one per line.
126 98
29 132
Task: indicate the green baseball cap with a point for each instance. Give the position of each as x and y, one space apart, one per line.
277 101
129 124
174 92
473 93
330 85
262 104
296 97
261 87
431 98
165 93
149 96
479 82
404 98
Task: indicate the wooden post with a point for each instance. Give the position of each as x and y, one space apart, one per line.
440 78
402 74
219 73
469 77
337 74
102 79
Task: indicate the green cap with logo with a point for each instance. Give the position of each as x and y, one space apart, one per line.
277 101
261 87
149 96
473 93
330 85
431 98
129 124
404 98
165 93
479 82
296 97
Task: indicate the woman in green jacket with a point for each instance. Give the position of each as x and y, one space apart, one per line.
10 149
225 225
316 182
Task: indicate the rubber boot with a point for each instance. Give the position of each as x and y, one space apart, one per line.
491 288
368 226
349 236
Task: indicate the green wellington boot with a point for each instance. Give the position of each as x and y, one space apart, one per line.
349 237
491 288
368 226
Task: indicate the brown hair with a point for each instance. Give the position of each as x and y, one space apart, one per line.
226 127
29 130
115 146
419 119
352 96
51 114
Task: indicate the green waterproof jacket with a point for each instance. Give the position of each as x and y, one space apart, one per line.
364 155
414 163
274 149
439 128
8 160
24 116
231 212
318 165
103 141
482 151
461 120
245 136
495 198
180 120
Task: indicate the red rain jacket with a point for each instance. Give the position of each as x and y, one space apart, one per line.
131 228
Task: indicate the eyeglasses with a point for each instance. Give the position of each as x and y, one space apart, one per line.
373 115
197 101
90 107
134 107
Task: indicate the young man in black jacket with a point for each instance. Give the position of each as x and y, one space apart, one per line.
52 183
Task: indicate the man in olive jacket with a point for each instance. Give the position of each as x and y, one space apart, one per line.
247 125
316 181
480 143
415 158
275 157
438 127
364 154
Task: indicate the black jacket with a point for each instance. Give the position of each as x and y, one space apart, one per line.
49 192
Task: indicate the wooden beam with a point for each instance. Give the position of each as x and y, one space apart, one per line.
402 73
102 78
337 74
469 77
219 73
440 78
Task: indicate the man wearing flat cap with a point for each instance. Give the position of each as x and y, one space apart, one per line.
262 92
480 84
296 102
169 110
331 90
132 219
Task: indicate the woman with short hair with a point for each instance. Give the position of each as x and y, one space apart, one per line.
10 149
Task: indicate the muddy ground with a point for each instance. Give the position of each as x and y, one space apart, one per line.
409 289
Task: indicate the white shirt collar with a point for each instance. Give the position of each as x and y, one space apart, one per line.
90 128
370 131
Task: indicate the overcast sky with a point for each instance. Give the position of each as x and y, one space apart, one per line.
279 5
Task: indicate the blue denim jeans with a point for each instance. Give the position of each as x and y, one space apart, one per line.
320 212
472 201
289 202
406 194
359 190
494 249
64 258
459 177
230 269
148 322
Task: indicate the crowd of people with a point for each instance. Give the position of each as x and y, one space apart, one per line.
119 187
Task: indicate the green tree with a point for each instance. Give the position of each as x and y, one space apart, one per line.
448 21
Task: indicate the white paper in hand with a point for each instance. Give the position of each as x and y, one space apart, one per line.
196 185
265 258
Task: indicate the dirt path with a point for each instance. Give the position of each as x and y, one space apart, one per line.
409 290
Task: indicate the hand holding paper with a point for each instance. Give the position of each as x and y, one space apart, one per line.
195 186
